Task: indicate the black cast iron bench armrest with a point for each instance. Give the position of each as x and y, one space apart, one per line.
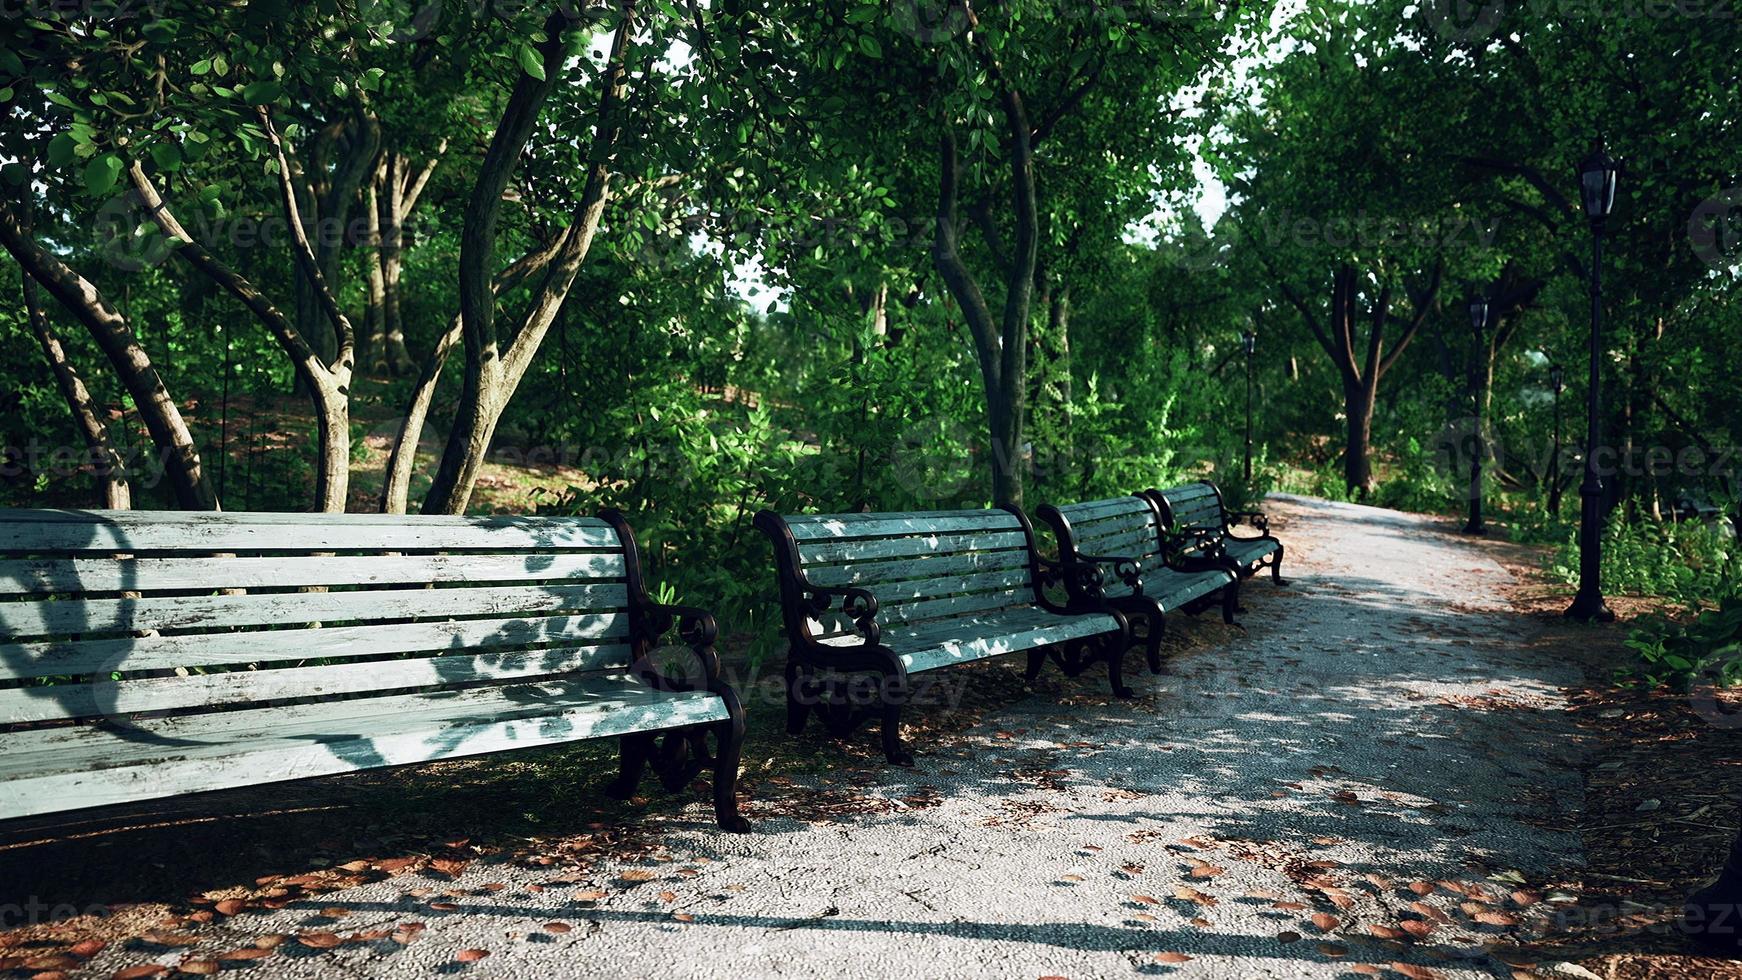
1082 580
696 627
857 604
1255 519
1127 569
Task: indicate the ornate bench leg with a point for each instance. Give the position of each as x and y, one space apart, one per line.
1036 658
1152 642
1231 602
729 746
893 694
1276 568
637 749
1113 649
798 690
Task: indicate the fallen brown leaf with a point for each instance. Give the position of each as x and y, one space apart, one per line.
1324 921
1172 957
319 940
471 955
1417 927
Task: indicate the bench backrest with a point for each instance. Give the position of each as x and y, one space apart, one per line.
1192 507
1119 527
133 611
921 567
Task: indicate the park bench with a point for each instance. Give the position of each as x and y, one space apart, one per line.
1201 525
881 597
146 655
1120 543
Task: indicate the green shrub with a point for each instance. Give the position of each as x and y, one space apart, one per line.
1686 562
1707 646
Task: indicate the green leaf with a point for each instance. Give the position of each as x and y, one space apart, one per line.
102 173
167 156
869 45
61 150
201 67
529 60
261 93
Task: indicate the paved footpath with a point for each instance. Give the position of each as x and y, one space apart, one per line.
1262 811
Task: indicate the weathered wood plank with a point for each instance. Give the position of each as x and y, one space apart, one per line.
841 552
74 575
873 573
109 698
21 620
196 650
60 769
1097 509
834 529
55 532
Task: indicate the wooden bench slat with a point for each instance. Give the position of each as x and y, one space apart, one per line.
1098 509
106 698
951 606
835 553
1135 539
834 528
859 573
21 620
69 575
81 766
52 532
193 650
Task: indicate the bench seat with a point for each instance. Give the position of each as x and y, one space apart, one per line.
968 638
1174 590
42 770
1251 554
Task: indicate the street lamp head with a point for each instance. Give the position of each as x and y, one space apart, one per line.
1597 184
1478 313
1250 340
1554 378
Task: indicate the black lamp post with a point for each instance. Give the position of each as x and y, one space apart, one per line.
1250 340
1478 324
1554 462
1597 188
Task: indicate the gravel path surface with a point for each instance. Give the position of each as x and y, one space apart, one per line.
1261 811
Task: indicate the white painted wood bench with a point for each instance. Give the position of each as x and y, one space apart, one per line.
1121 542
891 595
1201 524
146 655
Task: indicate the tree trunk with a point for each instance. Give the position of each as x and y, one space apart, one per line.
396 485
106 463
341 158
374 346
493 370
1358 402
1002 346
163 420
